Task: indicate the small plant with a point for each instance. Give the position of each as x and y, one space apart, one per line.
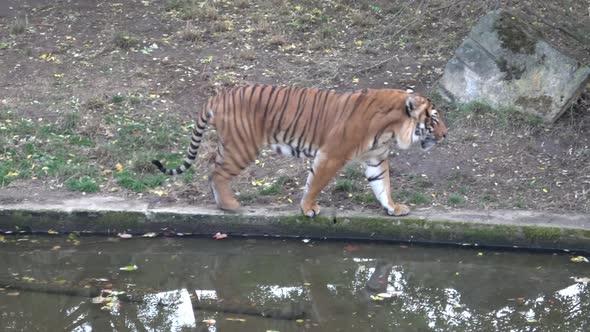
275 188
352 172
422 182
84 184
191 34
455 199
365 198
419 198
117 99
18 27
220 26
248 55
277 40
344 185
125 41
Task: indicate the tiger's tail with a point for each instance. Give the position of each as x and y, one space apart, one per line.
196 138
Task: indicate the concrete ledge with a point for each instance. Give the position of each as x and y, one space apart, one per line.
111 215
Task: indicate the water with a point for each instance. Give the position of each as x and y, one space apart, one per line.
436 289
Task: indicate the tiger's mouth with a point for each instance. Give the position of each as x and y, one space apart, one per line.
427 143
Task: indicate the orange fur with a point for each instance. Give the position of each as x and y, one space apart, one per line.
331 127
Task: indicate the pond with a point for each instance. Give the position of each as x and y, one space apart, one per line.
50 283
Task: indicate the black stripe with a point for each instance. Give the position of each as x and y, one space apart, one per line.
297 116
194 147
376 177
317 119
381 162
284 106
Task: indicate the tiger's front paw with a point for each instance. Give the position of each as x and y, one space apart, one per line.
310 209
398 210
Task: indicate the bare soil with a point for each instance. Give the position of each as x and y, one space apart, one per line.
172 60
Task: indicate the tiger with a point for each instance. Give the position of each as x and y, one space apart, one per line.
331 127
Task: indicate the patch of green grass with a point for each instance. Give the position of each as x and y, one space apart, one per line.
18 27
352 172
125 41
423 182
193 9
137 182
419 198
117 99
456 199
85 184
344 185
275 188
364 198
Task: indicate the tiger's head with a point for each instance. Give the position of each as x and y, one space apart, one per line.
430 127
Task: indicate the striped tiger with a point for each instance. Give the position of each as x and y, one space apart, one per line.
332 128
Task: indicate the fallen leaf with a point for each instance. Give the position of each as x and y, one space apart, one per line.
150 234
124 235
236 319
56 248
119 167
376 298
129 268
579 259
52 232
351 248
299 321
583 280
220 236
13 294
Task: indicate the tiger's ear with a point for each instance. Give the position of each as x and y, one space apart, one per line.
410 107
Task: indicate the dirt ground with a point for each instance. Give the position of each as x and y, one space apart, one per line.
154 62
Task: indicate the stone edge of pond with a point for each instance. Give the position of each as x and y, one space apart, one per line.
522 229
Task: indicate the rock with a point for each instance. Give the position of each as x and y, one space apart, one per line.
504 62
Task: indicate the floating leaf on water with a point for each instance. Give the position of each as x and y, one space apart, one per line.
579 259
52 232
150 234
129 268
299 321
124 235
236 319
376 298
306 284
28 279
351 248
220 236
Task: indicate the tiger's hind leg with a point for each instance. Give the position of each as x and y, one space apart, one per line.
377 174
228 164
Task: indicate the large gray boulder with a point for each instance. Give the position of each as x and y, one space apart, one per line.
504 63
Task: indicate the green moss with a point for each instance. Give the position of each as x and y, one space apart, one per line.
514 34
541 234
